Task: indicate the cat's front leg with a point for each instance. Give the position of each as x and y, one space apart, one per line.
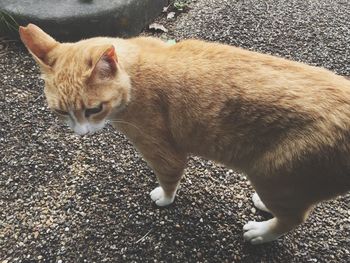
258 203
162 197
168 167
169 181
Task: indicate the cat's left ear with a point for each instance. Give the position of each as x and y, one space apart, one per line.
38 43
106 66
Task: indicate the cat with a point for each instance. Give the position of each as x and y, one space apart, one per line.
285 124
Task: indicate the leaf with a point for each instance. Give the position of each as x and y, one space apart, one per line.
157 27
170 15
165 8
171 42
181 5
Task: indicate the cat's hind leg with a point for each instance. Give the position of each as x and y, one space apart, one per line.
288 204
266 231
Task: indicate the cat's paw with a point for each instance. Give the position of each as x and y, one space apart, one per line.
259 232
258 203
160 198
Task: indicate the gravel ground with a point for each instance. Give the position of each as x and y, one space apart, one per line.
85 199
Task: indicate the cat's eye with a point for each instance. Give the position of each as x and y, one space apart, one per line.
91 111
61 112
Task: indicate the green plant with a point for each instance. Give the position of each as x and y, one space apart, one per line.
181 5
7 23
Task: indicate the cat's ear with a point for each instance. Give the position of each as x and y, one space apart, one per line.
106 66
38 43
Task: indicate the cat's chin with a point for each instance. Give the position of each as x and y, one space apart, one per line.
88 128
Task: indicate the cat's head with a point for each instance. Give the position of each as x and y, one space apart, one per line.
84 82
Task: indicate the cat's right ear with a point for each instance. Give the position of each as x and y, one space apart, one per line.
38 43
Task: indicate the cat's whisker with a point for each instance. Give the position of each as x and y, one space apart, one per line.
129 123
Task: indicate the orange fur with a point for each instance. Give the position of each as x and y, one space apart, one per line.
285 124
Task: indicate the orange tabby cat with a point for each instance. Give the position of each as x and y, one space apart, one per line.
285 124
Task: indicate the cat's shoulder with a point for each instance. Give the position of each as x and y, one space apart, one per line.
148 42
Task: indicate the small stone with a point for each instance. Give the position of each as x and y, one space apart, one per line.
36 234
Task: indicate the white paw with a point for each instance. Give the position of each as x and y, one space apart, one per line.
259 232
258 203
159 197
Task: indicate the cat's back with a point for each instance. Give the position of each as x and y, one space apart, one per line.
233 89
208 70
260 76
240 60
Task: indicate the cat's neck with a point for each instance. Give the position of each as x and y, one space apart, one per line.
154 80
